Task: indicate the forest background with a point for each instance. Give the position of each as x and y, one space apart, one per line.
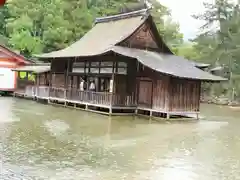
34 26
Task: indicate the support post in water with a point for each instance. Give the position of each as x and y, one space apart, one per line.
168 116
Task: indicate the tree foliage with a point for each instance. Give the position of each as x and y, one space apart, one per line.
33 26
219 43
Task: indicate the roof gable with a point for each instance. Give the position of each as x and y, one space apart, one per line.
147 37
106 33
141 38
7 53
163 47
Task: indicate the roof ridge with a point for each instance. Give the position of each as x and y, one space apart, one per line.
116 17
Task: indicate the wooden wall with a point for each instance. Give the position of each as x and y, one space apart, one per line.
145 89
59 66
161 93
184 95
124 70
58 80
43 79
164 93
120 82
142 38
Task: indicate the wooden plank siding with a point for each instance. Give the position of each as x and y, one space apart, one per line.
184 95
160 94
142 38
145 93
43 78
167 94
58 80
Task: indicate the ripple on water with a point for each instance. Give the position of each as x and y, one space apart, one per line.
90 148
8 119
170 168
56 127
10 172
13 172
29 112
211 125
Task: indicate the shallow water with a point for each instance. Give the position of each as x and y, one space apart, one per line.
41 142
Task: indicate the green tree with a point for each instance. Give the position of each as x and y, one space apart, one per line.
3 16
219 44
42 26
35 26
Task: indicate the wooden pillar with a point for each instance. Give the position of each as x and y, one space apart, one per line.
152 96
151 113
86 107
66 74
112 97
136 111
66 83
50 85
168 97
137 92
36 85
65 97
50 82
168 116
199 95
113 86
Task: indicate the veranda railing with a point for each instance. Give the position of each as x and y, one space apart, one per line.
99 98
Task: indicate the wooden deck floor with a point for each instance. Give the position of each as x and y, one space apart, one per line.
105 109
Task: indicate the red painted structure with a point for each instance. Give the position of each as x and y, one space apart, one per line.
9 60
2 2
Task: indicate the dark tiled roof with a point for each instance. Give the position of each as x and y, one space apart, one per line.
107 32
167 64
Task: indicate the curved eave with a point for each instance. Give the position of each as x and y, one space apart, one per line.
168 64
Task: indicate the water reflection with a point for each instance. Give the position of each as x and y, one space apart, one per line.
46 142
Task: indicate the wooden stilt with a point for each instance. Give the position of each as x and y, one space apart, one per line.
110 110
151 114
168 116
136 111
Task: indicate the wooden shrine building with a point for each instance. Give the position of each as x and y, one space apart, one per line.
122 65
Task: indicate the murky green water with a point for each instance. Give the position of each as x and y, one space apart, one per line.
53 143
